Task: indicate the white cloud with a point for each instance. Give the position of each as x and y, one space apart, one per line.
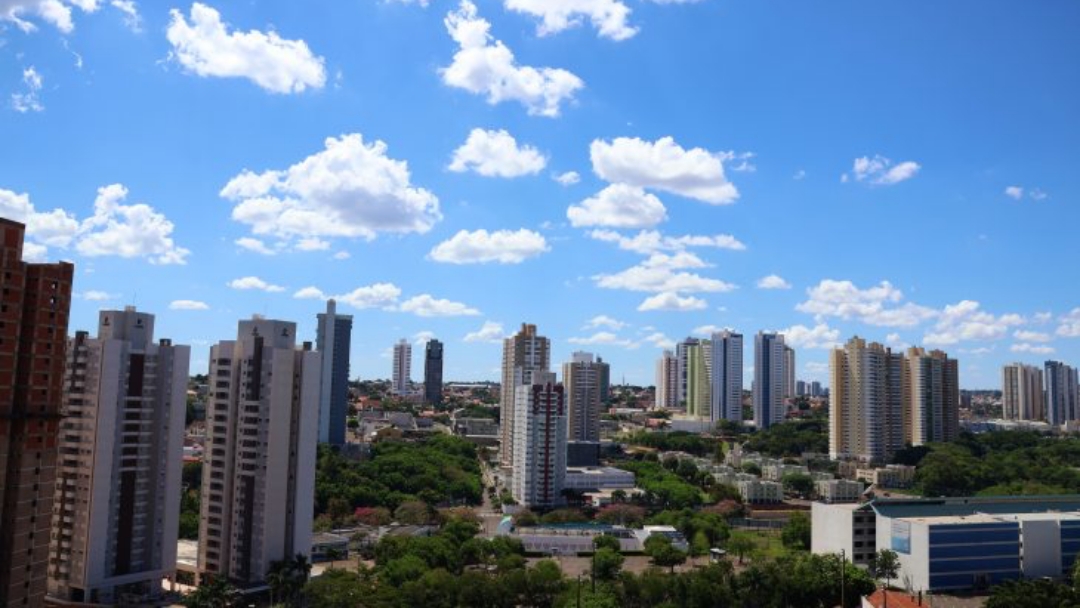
661 279
309 293
496 154
604 338
132 19
773 281
342 255
371 296
481 247
1031 336
98 296
54 12
966 321
672 301
350 189
29 100
618 206
1037 195
799 175
740 162
250 283
675 261
489 332
421 338
312 244
876 305
1035 349
206 47
1070 324
485 66
896 342
1017 193
568 178
650 241
659 340
1042 317
818 336
426 306
608 17
664 165
256 245
1014 192
706 330
605 321
881 171
816 368
188 305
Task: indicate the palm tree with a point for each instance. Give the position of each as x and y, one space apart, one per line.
216 592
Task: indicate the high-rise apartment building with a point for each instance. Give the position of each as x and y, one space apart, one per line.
262 418
1062 393
1022 392
682 355
727 376
583 382
433 366
815 389
35 300
800 388
401 378
540 437
333 340
117 507
699 379
770 375
789 372
525 354
866 409
931 393
667 380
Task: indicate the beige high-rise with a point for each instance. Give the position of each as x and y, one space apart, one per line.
865 401
524 355
667 381
1022 392
117 507
582 379
931 397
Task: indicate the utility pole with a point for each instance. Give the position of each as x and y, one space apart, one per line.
843 566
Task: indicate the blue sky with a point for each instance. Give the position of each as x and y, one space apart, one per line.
904 171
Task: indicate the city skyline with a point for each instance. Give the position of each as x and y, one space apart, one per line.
159 201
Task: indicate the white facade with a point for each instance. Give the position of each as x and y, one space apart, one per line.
526 358
770 373
758 492
839 490
667 381
1022 392
848 528
682 365
402 367
777 472
117 505
727 376
598 478
259 469
540 422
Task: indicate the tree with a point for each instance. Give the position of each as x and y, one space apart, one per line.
663 553
1032 594
217 592
336 589
800 484
796 532
287 577
412 512
752 468
606 564
885 566
741 545
606 541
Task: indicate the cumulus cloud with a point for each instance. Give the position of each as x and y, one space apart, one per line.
378 295
1031 336
256 245
130 10
706 330
818 336
1070 324
426 306
350 189
29 100
421 338
618 206
608 17
54 12
664 165
188 305
254 283
496 154
1017 193
1035 349
881 171
94 295
773 281
651 241
672 301
309 293
485 66
489 332
878 305
660 278
206 47
605 321
568 178
966 320
659 340
1014 192
481 247
604 338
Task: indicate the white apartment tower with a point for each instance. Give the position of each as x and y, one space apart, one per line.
667 380
727 376
1022 392
525 355
789 373
866 410
582 380
117 506
770 375
402 372
682 363
540 437
262 418
332 341
1062 393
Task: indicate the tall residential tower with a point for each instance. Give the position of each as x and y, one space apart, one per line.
525 354
333 340
1062 394
433 368
866 410
770 377
583 379
401 379
667 381
540 437
727 376
1022 392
